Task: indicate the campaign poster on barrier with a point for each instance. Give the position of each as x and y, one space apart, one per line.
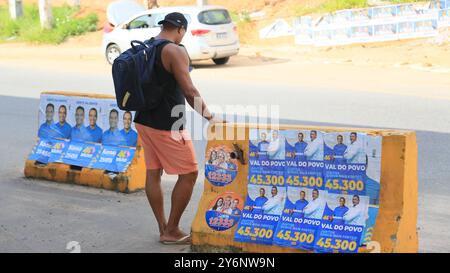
406 30
119 129
41 150
87 115
220 168
266 187
340 36
359 15
54 121
384 13
337 18
81 153
361 34
424 28
385 32
352 179
305 202
224 211
444 18
406 11
113 158
59 148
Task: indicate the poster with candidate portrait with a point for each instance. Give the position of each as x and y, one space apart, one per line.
266 187
444 18
224 211
305 202
54 121
220 168
83 131
119 129
352 179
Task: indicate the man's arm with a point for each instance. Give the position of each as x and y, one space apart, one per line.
178 64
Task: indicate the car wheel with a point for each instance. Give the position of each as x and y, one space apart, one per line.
221 61
112 52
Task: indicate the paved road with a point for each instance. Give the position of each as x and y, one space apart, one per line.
44 216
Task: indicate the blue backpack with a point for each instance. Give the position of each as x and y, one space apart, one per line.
135 83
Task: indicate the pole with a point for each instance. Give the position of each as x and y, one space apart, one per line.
45 14
15 8
202 3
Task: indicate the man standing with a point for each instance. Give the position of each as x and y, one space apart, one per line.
234 207
338 150
94 131
167 145
316 207
262 146
339 212
314 150
259 201
355 214
79 132
355 152
299 206
129 135
300 147
47 128
62 127
112 136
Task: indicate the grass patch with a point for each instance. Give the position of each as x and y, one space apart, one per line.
28 28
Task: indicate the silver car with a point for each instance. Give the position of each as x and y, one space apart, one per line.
211 34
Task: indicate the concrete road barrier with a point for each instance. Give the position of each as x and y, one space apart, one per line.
395 226
131 180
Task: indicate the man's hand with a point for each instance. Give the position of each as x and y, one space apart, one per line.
215 119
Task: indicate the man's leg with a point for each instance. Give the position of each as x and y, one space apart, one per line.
181 195
155 197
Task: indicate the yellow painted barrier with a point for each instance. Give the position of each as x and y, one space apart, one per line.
395 228
130 181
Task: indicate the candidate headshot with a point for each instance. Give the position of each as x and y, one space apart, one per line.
79 132
46 129
274 204
63 129
95 132
356 213
113 136
355 153
130 136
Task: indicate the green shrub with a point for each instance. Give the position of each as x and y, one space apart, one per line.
28 28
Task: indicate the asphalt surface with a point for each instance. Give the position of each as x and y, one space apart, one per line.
39 216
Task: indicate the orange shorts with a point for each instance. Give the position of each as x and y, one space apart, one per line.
169 150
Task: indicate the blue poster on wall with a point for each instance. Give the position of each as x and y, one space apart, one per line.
58 150
266 188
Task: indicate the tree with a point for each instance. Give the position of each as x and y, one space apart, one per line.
45 14
149 4
15 8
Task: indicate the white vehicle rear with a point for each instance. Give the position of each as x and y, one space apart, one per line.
211 34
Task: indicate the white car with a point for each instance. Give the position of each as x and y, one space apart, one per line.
211 34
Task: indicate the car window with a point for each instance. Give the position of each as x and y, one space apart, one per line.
160 16
214 17
144 21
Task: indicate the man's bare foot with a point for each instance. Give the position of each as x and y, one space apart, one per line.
175 236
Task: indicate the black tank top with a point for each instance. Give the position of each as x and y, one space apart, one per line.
161 117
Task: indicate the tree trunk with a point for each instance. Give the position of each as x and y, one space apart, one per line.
15 8
201 3
75 3
150 4
45 14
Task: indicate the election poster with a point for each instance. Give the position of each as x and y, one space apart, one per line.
352 180
406 30
224 211
220 168
306 197
266 190
54 121
425 28
444 18
385 32
384 13
360 34
74 130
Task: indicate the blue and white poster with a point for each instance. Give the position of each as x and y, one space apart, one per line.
352 179
72 130
114 158
306 197
266 188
